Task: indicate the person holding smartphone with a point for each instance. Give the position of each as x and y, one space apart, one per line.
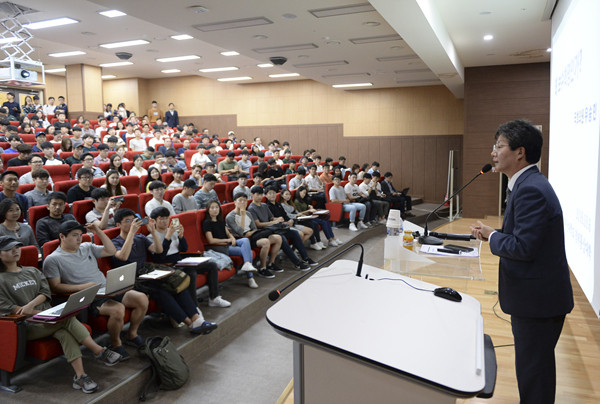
103 212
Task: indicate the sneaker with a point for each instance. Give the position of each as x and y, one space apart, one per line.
109 357
85 384
352 227
310 262
362 225
252 283
334 243
274 268
302 266
175 324
410 214
136 342
316 246
265 273
218 302
121 351
322 245
205 328
248 267
383 220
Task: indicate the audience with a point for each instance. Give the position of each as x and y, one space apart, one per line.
83 190
37 196
48 227
10 214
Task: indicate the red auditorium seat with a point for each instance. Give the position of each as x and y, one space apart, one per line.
29 256
144 199
64 186
131 184
59 172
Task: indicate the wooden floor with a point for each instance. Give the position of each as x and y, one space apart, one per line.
577 352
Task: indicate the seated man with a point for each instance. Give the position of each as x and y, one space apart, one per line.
14 141
241 187
275 174
76 157
291 168
134 247
298 180
103 213
371 187
36 163
395 198
338 195
87 160
200 158
174 242
73 266
212 170
264 218
305 231
173 163
10 182
177 182
206 193
39 194
316 188
40 138
22 159
157 189
244 164
47 228
49 158
229 167
184 201
102 156
88 143
84 189
354 194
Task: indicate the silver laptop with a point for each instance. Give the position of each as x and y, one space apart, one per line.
118 278
75 302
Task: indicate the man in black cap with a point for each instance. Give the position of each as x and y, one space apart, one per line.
229 167
40 138
75 158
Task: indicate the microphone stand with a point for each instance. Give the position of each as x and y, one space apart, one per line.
274 294
426 238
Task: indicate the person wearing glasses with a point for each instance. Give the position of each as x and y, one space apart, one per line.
87 159
36 163
83 190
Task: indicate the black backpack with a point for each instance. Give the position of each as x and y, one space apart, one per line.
166 363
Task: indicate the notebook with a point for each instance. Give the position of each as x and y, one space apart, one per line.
76 301
119 278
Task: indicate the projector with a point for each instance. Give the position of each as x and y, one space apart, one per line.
21 72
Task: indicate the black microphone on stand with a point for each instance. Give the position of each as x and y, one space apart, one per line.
426 238
274 294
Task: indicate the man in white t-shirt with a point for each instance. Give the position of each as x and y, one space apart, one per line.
355 195
157 189
200 158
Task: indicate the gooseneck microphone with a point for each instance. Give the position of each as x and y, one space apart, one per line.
431 240
274 294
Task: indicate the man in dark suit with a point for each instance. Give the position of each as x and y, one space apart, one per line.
171 116
396 199
534 285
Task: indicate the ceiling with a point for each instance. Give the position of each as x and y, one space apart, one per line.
391 43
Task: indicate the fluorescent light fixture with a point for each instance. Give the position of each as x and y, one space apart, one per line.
488 37
375 39
56 22
343 10
112 13
177 58
182 37
235 78
264 65
59 70
219 69
170 71
125 43
393 58
66 54
108 76
242 23
286 48
230 53
323 64
352 85
278 76
9 39
115 64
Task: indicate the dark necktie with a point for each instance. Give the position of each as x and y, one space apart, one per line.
508 192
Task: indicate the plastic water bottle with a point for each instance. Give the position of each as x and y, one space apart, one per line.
395 225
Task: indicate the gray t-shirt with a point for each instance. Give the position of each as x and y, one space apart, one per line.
262 212
94 215
19 288
75 268
24 234
36 197
182 204
337 193
245 190
203 198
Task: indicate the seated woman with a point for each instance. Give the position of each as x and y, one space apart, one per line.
241 224
153 175
113 184
174 243
138 166
10 213
116 164
303 208
221 240
66 145
25 291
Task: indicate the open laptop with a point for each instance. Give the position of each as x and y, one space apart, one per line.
118 279
76 301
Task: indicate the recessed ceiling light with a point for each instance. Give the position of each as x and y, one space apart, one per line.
170 71
88 33
178 58
342 10
66 54
260 37
9 39
235 78
115 64
488 37
219 69
230 53
396 48
112 13
334 42
182 37
56 22
289 16
277 76
125 43
59 70
352 85
371 24
265 65
485 13
198 9
549 50
108 76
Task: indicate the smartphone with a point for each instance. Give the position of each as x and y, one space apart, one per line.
175 221
144 220
119 199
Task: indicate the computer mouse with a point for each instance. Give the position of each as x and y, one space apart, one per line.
448 293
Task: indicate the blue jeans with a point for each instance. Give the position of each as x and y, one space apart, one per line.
352 207
242 249
325 225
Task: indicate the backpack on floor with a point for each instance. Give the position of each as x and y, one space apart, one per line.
167 365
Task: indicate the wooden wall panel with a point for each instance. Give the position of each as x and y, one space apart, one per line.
494 95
